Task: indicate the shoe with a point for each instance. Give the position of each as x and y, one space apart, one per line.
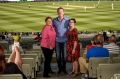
64 71
75 75
59 72
46 76
51 72
71 73
84 76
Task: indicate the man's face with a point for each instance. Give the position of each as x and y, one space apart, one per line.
100 37
60 12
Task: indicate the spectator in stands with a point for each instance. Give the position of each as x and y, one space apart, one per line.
90 45
38 37
99 37
12 66
112 46
61 24
48 44
2 36
97 51
105 36
73 47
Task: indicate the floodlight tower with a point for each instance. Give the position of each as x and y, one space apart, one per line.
97 4
112 6
67 4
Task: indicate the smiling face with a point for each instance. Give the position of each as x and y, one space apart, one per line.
71 24
49 22
60 13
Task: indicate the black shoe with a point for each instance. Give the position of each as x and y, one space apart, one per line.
59 72
52 72
64 71
46 76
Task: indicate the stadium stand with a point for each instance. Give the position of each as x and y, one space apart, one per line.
93 64
106 71
116 76
11 76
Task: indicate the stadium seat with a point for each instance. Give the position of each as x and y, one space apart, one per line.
39 54
27 70
11 76
27 42
5 45
35 46
32 63
114 55
20 48
34 55
115 60
93 63
106 71
116 76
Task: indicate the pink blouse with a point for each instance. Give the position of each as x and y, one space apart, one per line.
48 37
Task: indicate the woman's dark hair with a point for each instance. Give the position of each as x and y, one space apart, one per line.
2 63
1 49
72 19
112 39
48 18
2 60
59 9
105 36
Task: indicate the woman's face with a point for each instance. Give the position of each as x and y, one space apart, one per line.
71 23
49 22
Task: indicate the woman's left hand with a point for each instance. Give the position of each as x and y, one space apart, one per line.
51 48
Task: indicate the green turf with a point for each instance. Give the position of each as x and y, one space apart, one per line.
18 17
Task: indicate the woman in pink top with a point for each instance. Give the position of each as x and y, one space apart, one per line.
47 44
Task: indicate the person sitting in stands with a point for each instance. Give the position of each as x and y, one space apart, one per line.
112 46
13 64
96 51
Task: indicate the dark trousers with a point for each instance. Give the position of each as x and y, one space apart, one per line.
48 57
61 55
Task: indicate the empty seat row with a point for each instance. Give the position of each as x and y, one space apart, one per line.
106 71
95 61
11 76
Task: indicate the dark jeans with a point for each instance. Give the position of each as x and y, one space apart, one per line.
48 56
61 55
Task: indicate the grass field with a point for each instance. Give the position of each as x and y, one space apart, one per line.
18 17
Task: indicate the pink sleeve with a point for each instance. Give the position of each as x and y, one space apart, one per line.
51 38
44 34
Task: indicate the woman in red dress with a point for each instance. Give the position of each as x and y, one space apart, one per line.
73 47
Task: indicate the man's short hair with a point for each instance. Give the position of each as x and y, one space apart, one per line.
98 42
60 8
